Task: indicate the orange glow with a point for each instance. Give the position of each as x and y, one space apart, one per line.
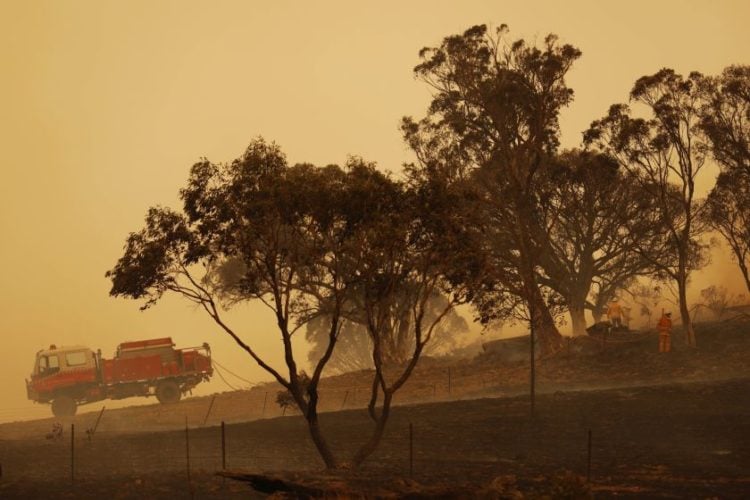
105 105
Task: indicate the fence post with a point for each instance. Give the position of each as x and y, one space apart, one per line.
265 398
96 425
411 450
588 461
72 453
532 360
209 409
449 381
223 447
187 453
346 395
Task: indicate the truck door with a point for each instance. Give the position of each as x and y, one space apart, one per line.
48 365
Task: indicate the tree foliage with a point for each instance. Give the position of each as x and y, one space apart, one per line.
729 215
725 118
596 216
494 118
666 154
253 229
726 123
310 243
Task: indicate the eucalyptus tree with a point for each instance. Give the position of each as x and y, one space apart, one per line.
729 215
494 118
667 154
254 229
401 293
596 217
726 123
309 243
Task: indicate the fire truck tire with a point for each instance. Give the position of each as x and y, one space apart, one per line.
168 392
64 406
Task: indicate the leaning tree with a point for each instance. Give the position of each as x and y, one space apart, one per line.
254 229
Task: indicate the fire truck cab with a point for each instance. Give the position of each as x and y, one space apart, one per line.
65 359
62 375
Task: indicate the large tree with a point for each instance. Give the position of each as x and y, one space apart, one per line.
494 117
402 261
254 229
666 154
726 123
729 215
308 243
594 223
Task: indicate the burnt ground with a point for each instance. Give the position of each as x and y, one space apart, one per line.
675 426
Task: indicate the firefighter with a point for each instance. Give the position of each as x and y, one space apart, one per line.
614 312
665 332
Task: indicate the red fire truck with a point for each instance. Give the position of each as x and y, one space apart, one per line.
70 376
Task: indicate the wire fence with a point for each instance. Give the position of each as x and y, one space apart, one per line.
498 434
195 435
76 456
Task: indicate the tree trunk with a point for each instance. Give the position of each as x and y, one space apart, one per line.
743 268
369 447
548 337
310 410
687 321
578 319
320 443
597 313
577 309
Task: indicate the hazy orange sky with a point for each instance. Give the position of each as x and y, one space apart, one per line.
105 105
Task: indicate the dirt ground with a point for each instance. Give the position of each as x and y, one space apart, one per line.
650 435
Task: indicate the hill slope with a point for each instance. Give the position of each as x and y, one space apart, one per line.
620 360
672 425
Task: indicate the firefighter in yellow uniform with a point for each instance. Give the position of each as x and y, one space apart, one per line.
614 312
665 332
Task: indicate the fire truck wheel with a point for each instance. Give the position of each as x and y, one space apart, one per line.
168 392
64 406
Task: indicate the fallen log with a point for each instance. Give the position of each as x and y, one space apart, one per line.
270 485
